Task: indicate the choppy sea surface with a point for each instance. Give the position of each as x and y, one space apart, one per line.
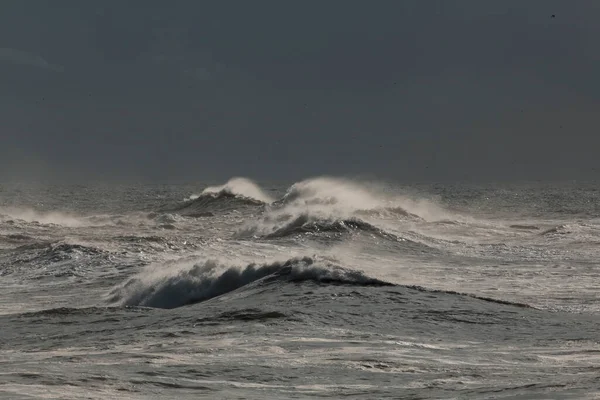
325 288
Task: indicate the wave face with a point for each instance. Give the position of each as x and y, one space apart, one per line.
210 279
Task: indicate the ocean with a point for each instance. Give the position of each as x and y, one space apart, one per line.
323 288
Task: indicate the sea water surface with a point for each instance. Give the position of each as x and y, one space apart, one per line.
324 288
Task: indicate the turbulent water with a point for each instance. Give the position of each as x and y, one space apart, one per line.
327 288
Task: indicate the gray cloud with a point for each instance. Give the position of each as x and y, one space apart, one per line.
411 90
24 58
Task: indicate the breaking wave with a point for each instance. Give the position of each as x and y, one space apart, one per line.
207 204
210 279
325 198
310 225
332 206
344 197
235 194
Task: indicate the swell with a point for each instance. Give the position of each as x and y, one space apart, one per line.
210 279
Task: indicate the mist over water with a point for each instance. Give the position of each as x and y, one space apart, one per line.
326 287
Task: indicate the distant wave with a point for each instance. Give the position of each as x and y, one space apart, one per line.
207 204
332 206
558 230
325 193
16 238
240 187
21 215
331 197
309 224
58 251
210 279
237 193
12 214
39 260
524 227
344 197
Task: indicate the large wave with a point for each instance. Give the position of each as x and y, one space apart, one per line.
210 279
311 225
328 206
346 197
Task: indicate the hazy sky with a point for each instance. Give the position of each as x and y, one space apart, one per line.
197 90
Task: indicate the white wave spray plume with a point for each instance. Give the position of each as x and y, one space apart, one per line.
346 196
327 198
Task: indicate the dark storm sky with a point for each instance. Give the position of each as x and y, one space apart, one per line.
196 90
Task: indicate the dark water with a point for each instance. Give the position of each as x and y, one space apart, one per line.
327 288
